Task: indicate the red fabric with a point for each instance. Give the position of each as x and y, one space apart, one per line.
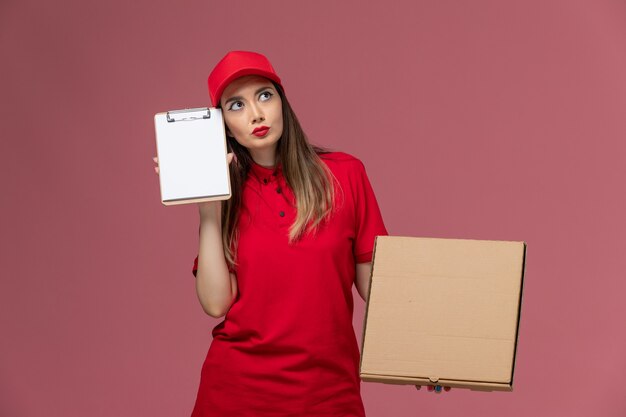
287 346
236 64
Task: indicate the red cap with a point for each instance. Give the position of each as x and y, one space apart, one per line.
236 64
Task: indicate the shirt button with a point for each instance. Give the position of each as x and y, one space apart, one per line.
281 214
264 180
278 190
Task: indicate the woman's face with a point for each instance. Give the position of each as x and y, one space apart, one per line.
250 102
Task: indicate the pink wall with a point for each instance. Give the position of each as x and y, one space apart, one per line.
484 119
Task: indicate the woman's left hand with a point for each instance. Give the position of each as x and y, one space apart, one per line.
436 388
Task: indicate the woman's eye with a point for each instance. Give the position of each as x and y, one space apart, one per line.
266 94
232 106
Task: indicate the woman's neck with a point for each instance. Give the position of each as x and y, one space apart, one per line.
264 157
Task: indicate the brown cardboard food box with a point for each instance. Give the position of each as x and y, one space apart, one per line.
443 311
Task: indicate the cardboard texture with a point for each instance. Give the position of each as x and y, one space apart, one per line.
443 311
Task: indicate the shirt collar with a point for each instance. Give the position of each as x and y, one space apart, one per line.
263 174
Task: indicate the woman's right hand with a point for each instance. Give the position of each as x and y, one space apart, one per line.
205 207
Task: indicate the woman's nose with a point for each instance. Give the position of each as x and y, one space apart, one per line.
257 114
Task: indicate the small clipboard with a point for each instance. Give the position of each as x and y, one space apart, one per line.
191 152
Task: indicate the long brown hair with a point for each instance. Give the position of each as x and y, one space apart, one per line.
310 179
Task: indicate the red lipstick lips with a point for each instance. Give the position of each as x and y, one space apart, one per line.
261 131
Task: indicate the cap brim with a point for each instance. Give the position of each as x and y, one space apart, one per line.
238 74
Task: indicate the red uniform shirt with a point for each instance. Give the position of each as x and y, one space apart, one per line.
287 346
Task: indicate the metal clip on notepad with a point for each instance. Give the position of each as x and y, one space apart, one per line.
188 114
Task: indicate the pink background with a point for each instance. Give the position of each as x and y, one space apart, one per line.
486 120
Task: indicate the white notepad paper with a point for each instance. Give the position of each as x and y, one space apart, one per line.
191 150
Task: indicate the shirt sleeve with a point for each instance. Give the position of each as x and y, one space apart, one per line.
194 270
369 221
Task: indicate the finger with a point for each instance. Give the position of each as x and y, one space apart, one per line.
155 159
229 157
156 169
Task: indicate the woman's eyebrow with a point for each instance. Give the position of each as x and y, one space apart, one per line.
240 97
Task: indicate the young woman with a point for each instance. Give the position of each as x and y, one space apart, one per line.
279 259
